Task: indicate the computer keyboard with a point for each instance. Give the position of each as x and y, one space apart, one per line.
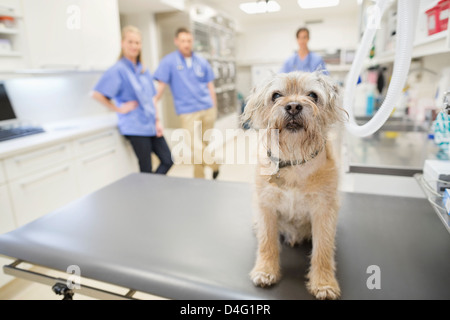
12 133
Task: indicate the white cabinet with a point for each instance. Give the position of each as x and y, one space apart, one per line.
95 142
51 43
42 192
98 169
102 160
72 34
22 165
2 173
7 224
100 27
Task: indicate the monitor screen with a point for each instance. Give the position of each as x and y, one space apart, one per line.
6 109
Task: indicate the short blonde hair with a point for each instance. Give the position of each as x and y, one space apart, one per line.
125 31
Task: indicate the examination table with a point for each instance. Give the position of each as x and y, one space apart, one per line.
192 239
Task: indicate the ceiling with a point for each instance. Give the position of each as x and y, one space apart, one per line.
142 6
289 9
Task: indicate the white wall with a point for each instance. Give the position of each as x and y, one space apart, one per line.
49 98
274 42
145 22
268 45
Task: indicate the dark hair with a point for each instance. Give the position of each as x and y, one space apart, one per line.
300 30
181 30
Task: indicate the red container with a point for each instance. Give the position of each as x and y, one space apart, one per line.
444 10
433 24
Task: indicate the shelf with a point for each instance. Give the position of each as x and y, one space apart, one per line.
10 54
9 31
431 45
338 67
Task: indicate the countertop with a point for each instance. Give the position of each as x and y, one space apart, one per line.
57 132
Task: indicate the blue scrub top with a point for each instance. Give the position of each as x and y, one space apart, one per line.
125 82
312 62
188 85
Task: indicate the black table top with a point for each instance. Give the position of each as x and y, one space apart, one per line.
193 239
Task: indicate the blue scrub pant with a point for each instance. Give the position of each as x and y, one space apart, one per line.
143 148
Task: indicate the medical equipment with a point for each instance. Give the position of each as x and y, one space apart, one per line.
407 16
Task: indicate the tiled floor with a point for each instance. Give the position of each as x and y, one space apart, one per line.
244 172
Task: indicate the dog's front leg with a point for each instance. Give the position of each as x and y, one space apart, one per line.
267 267
322 281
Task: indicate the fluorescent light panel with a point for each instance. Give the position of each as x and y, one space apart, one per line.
259 7
311 4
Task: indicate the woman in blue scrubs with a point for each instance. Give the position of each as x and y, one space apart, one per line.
303 59
131 87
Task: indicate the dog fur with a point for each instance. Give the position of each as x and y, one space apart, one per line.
298 201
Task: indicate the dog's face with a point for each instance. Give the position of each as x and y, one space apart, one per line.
301 106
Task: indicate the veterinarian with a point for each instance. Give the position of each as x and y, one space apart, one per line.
303 59
190 78
130 85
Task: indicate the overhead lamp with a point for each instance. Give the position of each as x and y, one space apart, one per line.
312 4
262 6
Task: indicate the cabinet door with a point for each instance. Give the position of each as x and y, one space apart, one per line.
2 173
40 193
99 169
101 33
54 33
7 224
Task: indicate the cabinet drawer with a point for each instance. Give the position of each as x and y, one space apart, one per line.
2 173
94 143
21 165
43 192
98 170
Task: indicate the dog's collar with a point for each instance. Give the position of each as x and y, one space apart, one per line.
283 164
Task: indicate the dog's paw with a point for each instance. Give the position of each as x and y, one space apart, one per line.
325 292
264 279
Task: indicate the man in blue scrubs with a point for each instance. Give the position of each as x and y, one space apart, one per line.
190 78
303 59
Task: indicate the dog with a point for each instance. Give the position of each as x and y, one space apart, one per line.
299 200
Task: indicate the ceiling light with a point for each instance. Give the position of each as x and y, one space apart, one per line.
310 4
260 7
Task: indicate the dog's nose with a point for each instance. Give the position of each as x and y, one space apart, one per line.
293 108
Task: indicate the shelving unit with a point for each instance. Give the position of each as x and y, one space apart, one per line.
424 44
214 40
13 58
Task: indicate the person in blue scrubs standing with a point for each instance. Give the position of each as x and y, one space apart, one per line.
131 87
190 78
303 59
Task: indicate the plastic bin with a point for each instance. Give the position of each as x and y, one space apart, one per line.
433 24
7 21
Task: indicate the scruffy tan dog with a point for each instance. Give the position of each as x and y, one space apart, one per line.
299 199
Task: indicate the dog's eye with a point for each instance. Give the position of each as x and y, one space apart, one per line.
276 95
313 96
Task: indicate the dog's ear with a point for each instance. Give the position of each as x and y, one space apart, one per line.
334 98
255 102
